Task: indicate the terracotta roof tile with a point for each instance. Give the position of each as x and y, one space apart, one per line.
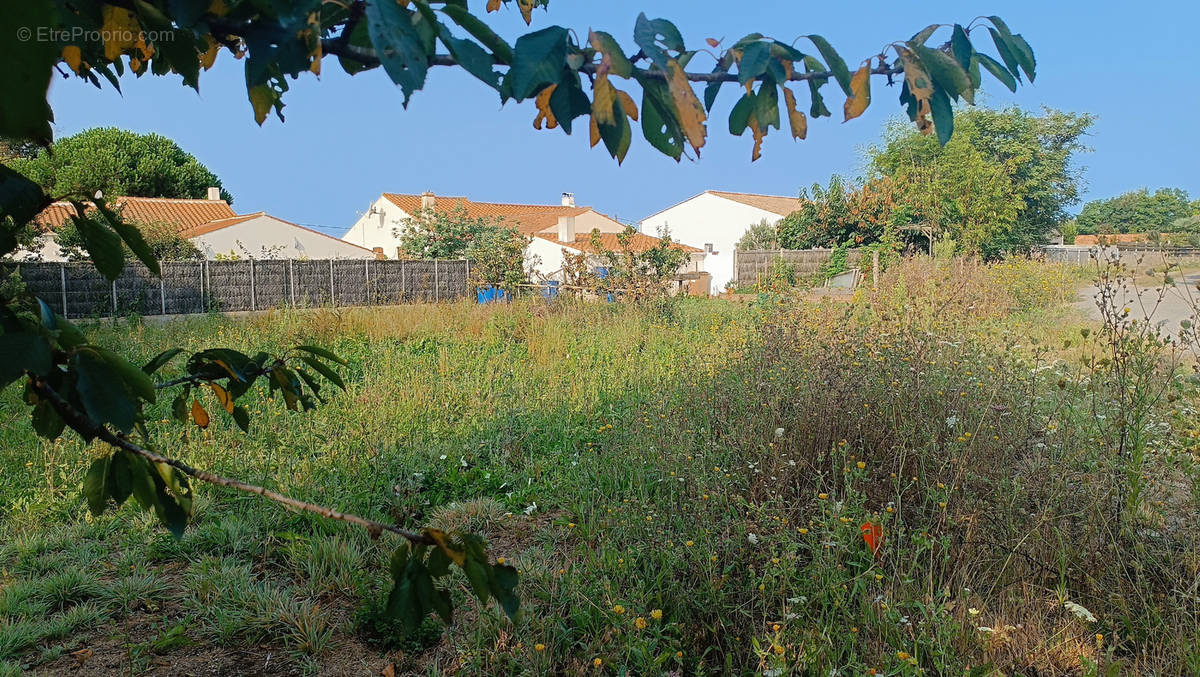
528 219
773 203
179 212
639 242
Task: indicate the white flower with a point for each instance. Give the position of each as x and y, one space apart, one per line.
752 538
951 421
973 611
778 433
529 509
984 628
442 457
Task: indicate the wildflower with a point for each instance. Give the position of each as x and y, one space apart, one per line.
639 623
752 538
656 614
902 655
690 543
618 609
500 560
803 531
861 465
973 611
822 496
570 525
597 662
779 650
539 647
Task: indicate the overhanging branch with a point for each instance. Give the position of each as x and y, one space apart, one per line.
83 424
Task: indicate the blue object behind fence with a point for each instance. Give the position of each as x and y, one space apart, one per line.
491 295
550 290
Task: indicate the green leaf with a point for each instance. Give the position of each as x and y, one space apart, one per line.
137 380
95 486
482 32
22 351
20 199
924 34
754 61
46 421
619 64
503 586
438 563
119 481
766 105
242 418
28 66
160 360
659 125
398 45
998 71
321 352
836 65
946 72
443 606
473 58
103 244
477 575
131 235
1024 54
617 137
102 391
655 36
538 60
960 45
943 114
179 408
568 101
1006 54
739 117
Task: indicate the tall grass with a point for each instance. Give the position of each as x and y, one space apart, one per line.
682 492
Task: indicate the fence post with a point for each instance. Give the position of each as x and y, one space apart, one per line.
203 301
114 297
436 290
875 268
467 280
62 270
291 283
162 289
403 265
332 291
367 281
253 299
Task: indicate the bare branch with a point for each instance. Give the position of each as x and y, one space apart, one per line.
84 425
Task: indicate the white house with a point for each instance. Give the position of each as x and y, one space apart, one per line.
553 229
212 226
715 220
262 236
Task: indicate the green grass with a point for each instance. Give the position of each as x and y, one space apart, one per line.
680 492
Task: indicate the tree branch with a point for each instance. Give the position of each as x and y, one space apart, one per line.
367 57
84 425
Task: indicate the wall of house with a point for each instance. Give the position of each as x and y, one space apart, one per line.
709 219
377 229
266 238
546 257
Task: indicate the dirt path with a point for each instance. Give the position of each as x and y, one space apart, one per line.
1165 307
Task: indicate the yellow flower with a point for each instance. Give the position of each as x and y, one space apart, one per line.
861 465
902 655
539 647
500 560
779 650
690 543
639 623
803 531
656 614
822 496
618 609
597 662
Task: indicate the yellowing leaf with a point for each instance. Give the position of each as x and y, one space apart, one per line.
120 32
919 83
73 56
223 397
261 98
712 42
209 56
594 132
604 94
218 8
860 88
687 105
457 556
314 22
759 132
526 10
628 105
796 117
543 106
923 122
493 5
199 415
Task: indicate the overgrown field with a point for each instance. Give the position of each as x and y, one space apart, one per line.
683 490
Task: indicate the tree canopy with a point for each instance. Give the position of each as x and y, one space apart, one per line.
120 163
1138 211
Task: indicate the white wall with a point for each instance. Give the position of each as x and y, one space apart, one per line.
706 219
378 229
279 239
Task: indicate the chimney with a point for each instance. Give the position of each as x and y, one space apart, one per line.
214 193
428 200
568 199
566 227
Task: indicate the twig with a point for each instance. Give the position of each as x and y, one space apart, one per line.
84 425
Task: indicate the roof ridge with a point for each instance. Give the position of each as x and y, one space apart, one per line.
737 192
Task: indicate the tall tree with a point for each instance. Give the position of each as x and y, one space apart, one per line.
1138 211
119 163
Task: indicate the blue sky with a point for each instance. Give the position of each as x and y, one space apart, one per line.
346 139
